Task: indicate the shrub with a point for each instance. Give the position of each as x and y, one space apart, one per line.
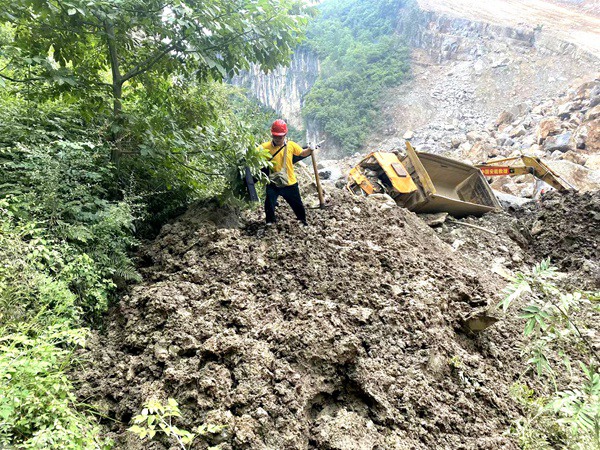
557 336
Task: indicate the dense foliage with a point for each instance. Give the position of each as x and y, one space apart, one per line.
361 56
113 118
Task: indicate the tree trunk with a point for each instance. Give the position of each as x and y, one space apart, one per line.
117 91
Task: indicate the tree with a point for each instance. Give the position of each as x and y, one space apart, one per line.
87 46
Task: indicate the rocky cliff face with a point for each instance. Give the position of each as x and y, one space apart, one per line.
283 89
465 73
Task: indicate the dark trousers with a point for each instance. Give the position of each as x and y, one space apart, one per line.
291 194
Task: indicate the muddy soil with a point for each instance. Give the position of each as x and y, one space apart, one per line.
348 334
562 227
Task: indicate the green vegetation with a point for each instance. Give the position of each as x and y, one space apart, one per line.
158 418
561 355
113 118
361 57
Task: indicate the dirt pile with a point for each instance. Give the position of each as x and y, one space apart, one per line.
562 227
348 334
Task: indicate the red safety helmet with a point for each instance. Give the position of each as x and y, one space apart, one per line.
279 128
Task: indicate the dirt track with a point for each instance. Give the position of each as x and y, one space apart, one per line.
567 23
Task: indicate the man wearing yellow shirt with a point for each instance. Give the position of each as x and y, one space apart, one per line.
283 179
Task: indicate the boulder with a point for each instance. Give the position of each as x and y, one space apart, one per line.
561 142
593 113
581 177
548 126
592 141
574 157
593 162
518 131
581 135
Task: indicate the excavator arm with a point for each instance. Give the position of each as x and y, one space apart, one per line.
522 165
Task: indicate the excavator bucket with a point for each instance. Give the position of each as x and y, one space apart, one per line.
425 183
447 185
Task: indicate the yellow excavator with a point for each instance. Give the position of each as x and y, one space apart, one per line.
428 183
523 165
424 183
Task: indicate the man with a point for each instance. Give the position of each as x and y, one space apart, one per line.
283 180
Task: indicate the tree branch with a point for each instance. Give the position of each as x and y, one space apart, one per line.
26 80
210 174
148 63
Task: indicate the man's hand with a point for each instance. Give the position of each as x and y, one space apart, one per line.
306 152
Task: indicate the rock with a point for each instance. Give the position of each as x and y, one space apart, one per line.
507 200
593 113
508 116
592 141
575 157
408 135
581 135
593 162
456 140
537 228
479 322
580 177
564 110
548 126
383 199
434 220
595 96
503 139
561 142
505 117
527 142
518 131
464 148
476 136
585 90
501 61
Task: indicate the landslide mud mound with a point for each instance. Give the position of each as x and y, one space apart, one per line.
565 227
345 335
562 227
